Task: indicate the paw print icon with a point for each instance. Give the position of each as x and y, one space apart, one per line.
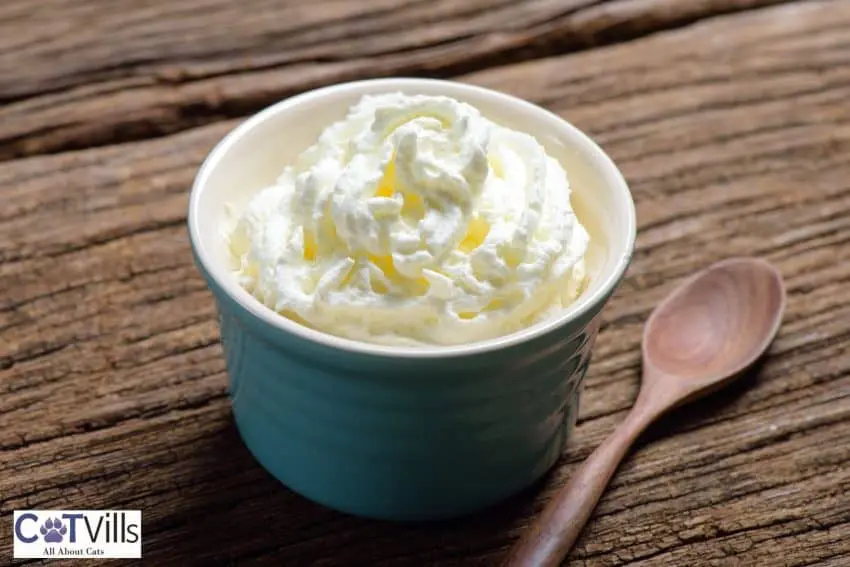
53 530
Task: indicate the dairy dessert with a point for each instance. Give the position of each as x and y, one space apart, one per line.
415 220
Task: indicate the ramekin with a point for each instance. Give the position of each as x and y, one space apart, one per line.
404 433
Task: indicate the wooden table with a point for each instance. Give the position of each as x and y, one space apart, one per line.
730 119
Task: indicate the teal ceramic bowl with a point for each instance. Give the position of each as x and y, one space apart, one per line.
404 433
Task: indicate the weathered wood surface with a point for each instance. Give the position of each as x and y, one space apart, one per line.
79 81
734 133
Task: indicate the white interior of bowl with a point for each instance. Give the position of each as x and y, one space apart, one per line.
253 156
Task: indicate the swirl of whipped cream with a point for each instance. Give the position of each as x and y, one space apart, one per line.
414 220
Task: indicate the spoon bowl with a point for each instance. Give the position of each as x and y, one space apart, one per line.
701 337
714 326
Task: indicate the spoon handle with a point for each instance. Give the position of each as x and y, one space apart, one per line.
551 537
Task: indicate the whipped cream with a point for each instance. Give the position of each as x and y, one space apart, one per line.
415 220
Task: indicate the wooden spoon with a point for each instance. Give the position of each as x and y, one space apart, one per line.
700 338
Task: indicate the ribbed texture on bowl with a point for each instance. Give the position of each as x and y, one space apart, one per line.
404 439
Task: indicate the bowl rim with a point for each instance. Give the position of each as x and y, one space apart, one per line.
266 315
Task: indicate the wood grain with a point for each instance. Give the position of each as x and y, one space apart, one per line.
734 134
102 73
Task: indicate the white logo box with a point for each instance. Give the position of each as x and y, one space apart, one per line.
62 534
